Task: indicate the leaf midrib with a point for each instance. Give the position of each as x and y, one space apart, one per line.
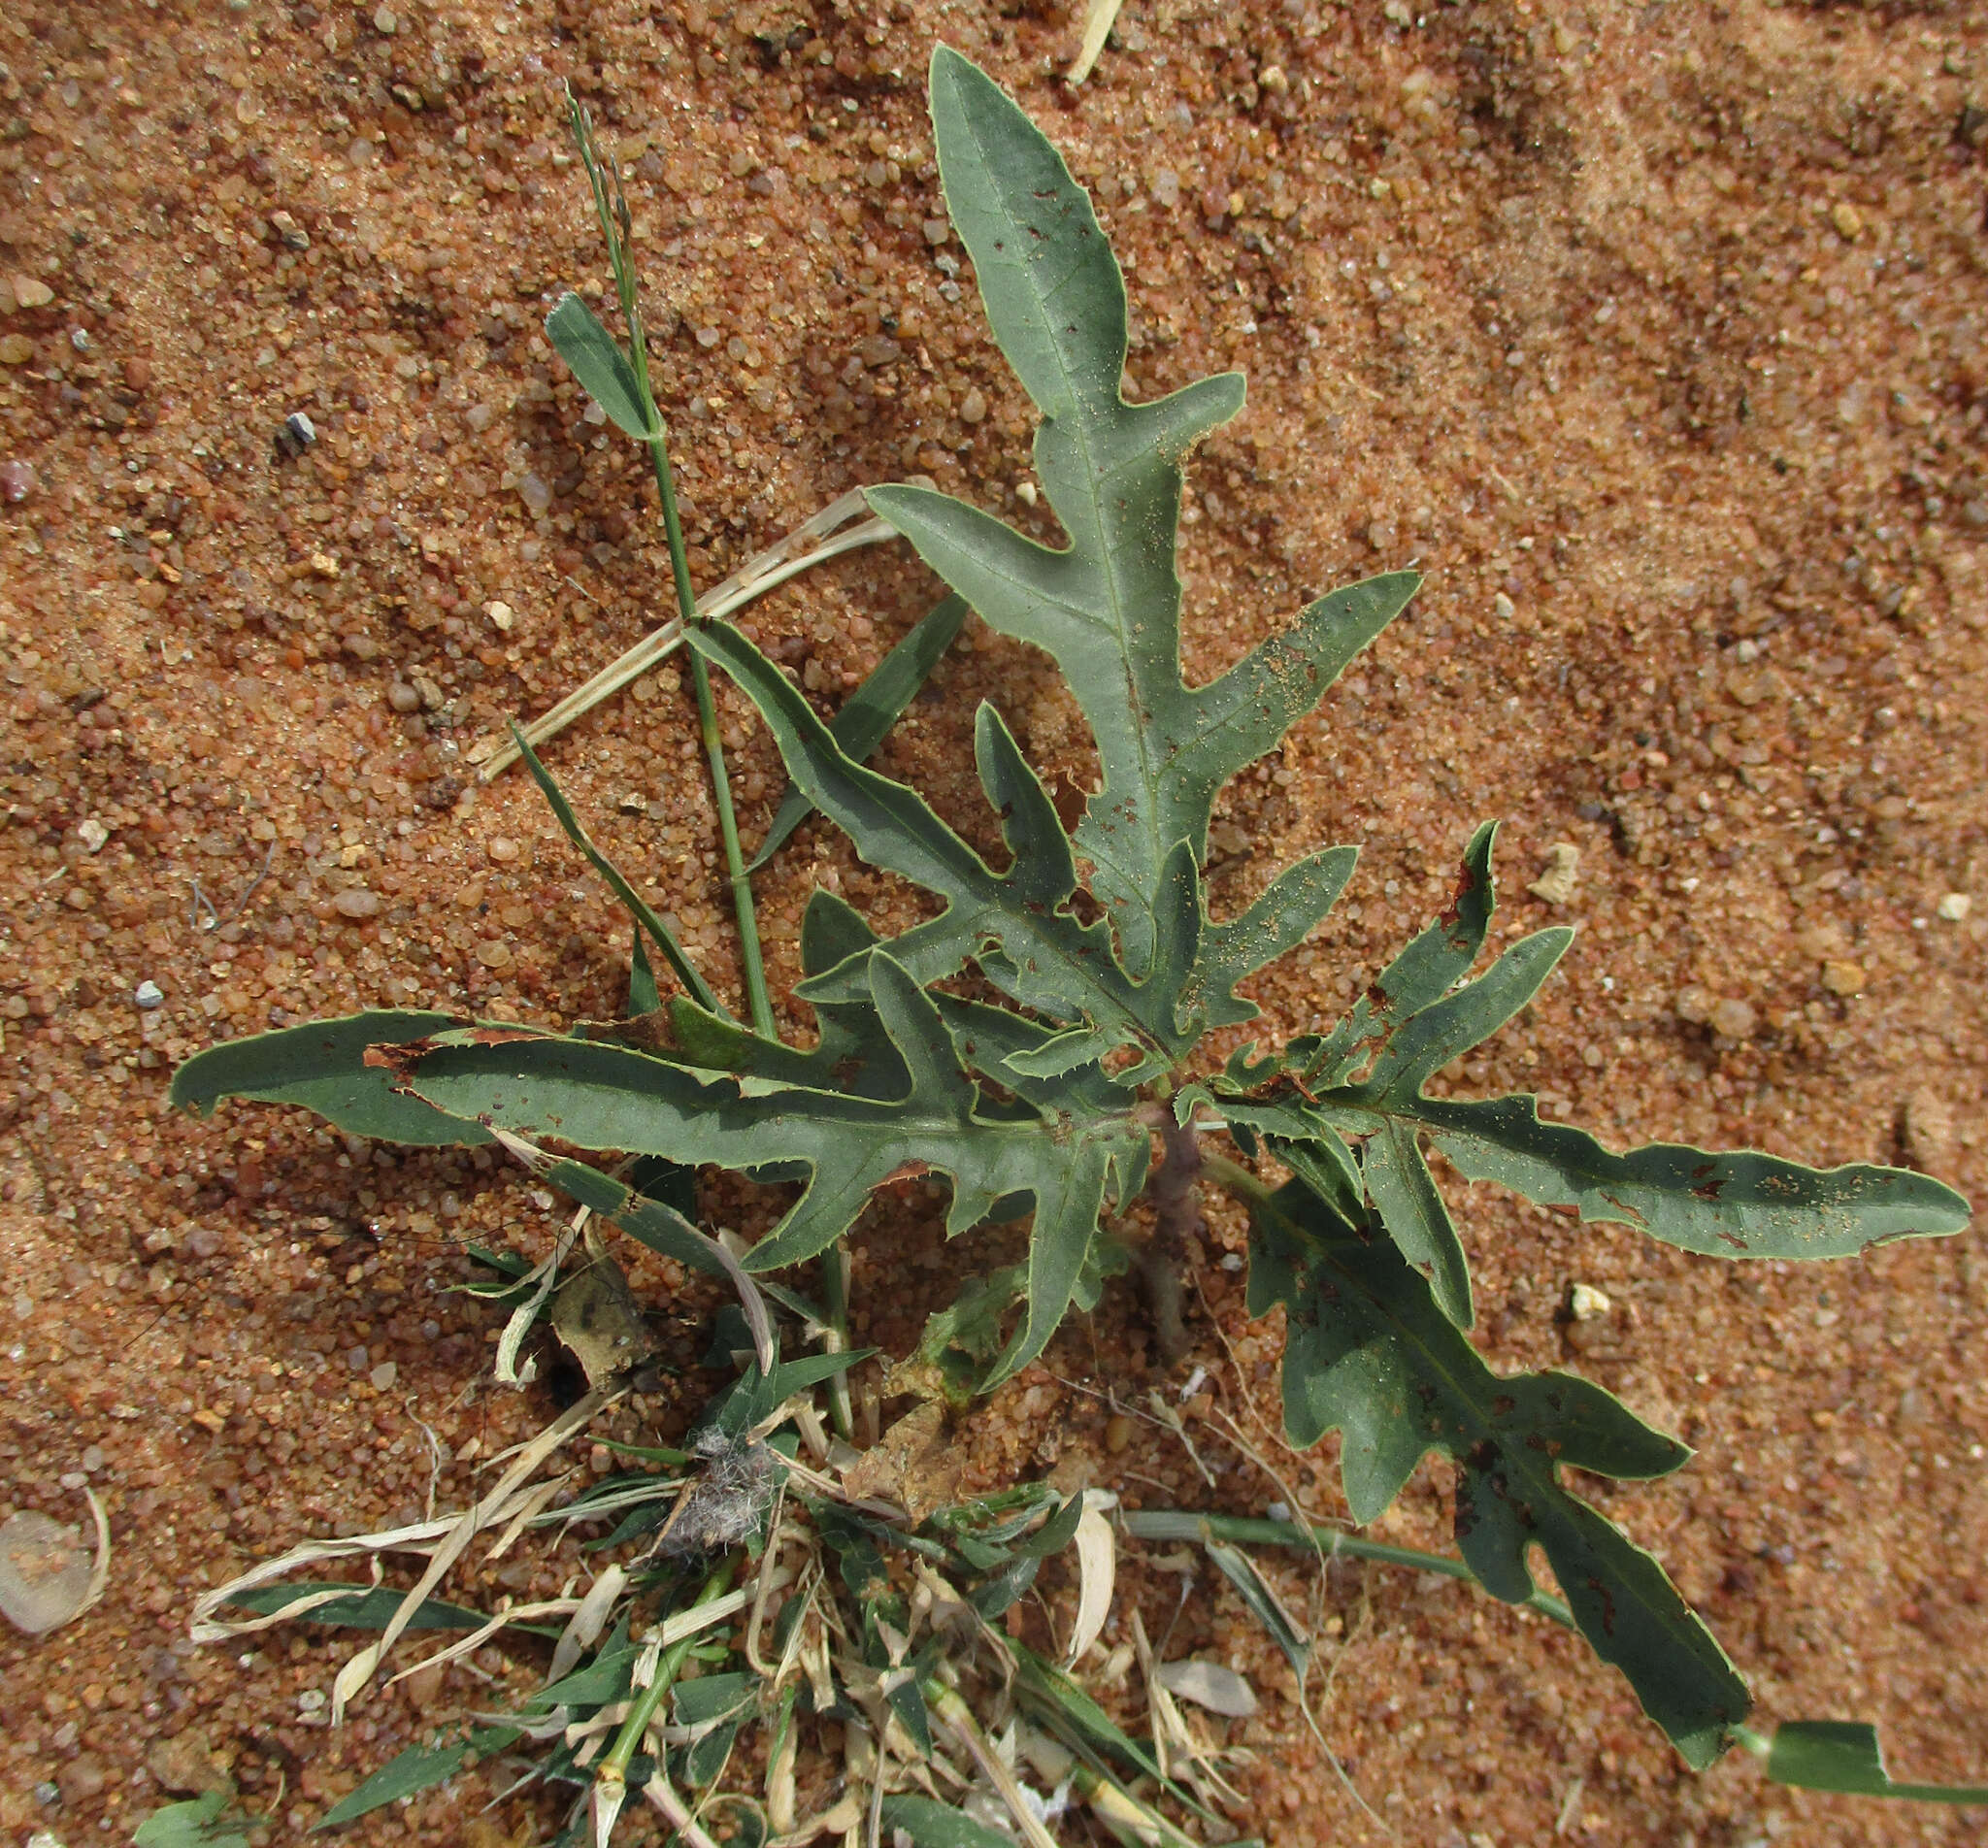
1081 430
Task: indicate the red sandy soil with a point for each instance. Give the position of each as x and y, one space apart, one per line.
1655 335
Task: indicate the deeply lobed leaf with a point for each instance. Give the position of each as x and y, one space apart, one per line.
1363 1084
1107 608
1067 1161
1367 1352
1016 922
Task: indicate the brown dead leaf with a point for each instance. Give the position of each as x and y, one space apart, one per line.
596 1316
912 1464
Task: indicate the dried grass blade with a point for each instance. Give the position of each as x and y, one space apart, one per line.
1099 17
589 1618
1097 1556
360 1669
471 1641
397 1540
761 573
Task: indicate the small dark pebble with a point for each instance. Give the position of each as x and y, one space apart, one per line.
297 434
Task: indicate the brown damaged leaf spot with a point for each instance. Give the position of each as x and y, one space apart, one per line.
1465 884
400 1060
643 1033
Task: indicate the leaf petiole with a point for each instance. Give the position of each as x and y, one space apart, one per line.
1169 1524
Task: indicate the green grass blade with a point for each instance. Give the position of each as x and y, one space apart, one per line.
638 907
933 1825
363 1607
596 359
867 713
194 1824
417 1768
1265 1605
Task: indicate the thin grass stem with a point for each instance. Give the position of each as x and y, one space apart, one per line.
753 964
611 207
612 1771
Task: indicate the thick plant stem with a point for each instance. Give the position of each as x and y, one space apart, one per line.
758 1001
1176 1218
611 1777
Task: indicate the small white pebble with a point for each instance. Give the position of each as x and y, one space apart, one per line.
501 614
1587 1304
1505 607
93 834
1955 906
147 995
1558 877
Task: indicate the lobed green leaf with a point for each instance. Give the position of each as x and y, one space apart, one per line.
1016 922
1106 608
1367 1352
1844 1756
609 1096
867 713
